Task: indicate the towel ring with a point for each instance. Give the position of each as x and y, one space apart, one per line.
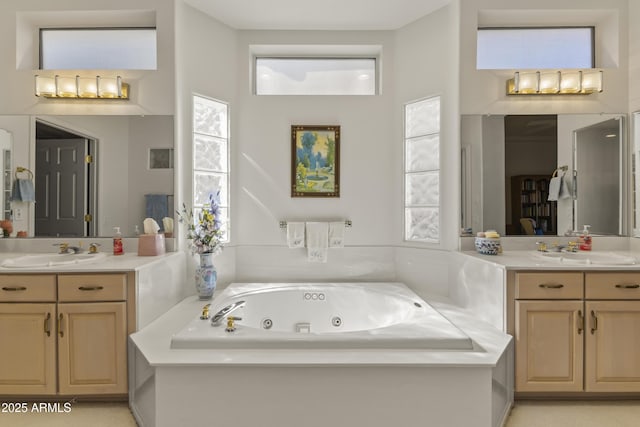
561 168
21 169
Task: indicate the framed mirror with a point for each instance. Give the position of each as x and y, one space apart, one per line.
508 162
112 178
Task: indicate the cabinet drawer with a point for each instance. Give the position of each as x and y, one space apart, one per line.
560 285
27 287
623 285
92 287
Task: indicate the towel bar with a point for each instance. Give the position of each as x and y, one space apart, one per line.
347 224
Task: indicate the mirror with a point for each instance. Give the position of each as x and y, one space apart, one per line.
128 168
508 162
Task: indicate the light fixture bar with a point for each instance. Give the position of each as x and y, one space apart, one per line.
563 82
80 87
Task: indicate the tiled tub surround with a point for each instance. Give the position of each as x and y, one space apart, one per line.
320 386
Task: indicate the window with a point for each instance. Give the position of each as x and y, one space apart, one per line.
535 48
98 49
315 76
422 170
211 155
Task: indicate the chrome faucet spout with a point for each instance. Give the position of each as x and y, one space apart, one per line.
222 313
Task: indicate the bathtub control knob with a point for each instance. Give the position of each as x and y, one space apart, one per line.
205 312
230 324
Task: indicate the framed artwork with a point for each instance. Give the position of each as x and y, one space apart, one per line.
315 161
161 158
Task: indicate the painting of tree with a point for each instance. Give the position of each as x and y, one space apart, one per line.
315 161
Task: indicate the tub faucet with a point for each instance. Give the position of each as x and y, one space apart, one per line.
217 318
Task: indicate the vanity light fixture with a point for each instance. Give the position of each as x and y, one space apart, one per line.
569 82
81 87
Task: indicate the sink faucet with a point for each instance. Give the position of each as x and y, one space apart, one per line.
65 248
217 318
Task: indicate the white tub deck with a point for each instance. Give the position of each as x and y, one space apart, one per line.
319 387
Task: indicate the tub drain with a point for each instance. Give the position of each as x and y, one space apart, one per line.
267 323
336 321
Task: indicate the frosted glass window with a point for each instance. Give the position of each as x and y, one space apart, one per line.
315 76
422 170
98 49
211 155
535 48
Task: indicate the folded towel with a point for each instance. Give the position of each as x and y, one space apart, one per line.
23 190
317 241
336 234
295 234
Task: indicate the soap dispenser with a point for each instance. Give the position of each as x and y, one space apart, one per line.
585 239
117 242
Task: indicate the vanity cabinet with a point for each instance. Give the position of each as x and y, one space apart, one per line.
27 334
577 331
612 336
69 327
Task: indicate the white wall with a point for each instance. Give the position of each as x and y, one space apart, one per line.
206 64
483 91
426 64
146 133
151 91
634 55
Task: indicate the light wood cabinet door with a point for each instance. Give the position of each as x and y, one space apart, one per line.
612 346
27 349
92 348
549 346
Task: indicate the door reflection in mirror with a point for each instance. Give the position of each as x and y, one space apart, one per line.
597 162
65 171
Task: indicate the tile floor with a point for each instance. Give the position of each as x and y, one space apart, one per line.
524 414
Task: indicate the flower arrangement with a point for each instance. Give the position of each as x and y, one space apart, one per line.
204 231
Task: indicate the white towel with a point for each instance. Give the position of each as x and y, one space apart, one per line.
565 191
317 241
295 234
336 234
554 188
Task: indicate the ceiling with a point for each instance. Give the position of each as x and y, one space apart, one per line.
317 15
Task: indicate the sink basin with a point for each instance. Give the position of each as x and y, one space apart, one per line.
50 260
600 258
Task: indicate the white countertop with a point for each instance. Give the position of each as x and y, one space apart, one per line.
531 260
154 342
110 263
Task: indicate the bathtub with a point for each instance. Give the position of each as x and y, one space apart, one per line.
327 315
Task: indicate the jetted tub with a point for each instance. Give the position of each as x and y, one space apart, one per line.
323 315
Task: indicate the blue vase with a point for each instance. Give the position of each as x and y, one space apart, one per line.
206 277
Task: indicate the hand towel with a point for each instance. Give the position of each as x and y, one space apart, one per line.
336 234
156 206
317 241
23 190
554 188
295 234
564 192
